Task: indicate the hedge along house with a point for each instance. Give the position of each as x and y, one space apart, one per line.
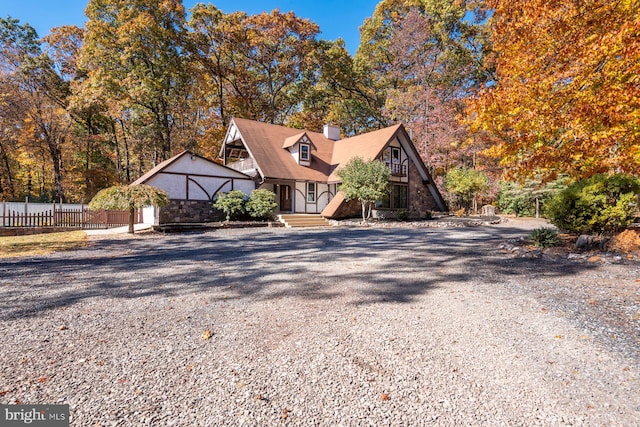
192 183
301 166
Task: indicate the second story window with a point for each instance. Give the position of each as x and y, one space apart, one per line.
395 155
304 152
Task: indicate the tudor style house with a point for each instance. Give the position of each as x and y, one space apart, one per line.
301 166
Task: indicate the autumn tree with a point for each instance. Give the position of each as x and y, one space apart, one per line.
425 57
43 92
91 166
133 54
258 66
345 93
420 98
567 87
465 185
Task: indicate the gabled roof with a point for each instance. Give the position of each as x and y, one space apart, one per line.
368 146
265 143
293 140
164 165
159 167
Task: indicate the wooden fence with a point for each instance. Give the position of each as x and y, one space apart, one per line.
69 218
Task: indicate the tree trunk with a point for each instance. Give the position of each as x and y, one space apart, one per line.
56 157
118 155
7 165
132 212
364 210
127 166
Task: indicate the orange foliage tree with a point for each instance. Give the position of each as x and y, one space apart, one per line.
567 90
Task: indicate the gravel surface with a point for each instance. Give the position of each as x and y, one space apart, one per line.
338 326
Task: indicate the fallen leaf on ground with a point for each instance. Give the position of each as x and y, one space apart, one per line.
384 396
207 334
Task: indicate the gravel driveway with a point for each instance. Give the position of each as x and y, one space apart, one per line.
338 326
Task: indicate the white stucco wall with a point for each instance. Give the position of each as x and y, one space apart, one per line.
404 160
300 193
323 197
194 178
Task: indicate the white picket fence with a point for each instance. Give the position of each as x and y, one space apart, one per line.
27 208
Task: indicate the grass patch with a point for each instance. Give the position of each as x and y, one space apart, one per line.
41 244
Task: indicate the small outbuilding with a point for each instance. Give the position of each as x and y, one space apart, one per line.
192 183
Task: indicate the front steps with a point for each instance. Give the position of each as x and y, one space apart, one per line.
303 220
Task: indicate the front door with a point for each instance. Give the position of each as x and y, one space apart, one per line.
285 198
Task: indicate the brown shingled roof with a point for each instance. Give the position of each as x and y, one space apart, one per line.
265 141
292 140
368 146
144 178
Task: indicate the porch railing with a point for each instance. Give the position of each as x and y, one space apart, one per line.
242 165
397 169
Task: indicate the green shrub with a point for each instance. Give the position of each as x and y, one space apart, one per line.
602 204
523 199
544 237
231 203
261 204
402 215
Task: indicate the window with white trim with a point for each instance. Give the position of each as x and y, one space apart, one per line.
305 152
311 192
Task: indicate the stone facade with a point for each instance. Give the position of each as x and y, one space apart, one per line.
420 201
420 198
189 211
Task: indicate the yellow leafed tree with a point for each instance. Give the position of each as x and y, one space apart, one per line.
567 94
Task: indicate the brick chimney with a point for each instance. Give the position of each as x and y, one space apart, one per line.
331 132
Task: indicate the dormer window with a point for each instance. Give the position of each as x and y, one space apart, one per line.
305 152
300 146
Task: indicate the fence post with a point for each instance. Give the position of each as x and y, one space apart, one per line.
54 222
4 211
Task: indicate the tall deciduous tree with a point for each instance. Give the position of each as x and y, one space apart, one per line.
259 66
346 93
134 57
568 87
426 56
43 93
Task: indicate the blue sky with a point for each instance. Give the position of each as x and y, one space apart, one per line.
336 18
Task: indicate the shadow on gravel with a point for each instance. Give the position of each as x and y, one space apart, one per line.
374 265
